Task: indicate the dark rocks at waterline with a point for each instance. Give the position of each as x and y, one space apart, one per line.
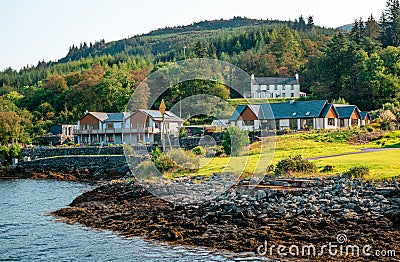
241 220
84 168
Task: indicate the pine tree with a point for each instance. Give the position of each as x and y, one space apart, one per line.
357 32
372 29
310 22
390 23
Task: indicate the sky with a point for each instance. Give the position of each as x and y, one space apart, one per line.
36 30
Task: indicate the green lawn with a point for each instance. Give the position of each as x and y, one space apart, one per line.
285 146
382 164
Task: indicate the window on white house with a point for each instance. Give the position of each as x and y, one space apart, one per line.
292 87
249 122
331 121
276 87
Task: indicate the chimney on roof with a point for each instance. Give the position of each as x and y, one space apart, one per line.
297 76
86 112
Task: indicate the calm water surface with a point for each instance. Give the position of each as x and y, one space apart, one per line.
28 233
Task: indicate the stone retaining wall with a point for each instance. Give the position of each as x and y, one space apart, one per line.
40 152
74 163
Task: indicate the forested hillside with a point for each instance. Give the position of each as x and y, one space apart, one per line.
361 66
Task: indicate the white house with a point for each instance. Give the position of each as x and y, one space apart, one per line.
274 87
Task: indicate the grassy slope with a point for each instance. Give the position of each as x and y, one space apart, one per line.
285 146
382 164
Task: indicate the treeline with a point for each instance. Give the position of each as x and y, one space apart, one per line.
361 66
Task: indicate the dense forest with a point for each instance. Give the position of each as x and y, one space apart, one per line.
360 66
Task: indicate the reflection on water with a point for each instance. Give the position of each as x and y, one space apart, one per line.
27 232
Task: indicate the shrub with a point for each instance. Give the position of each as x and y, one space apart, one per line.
199 150
180 157
294 164
145 170
270 168
234 140
370 128
220 151
387 125
189 165
4 152
327 168
161 160
15 150
357 172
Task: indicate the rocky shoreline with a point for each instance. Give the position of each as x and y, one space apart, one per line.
241 220
83 175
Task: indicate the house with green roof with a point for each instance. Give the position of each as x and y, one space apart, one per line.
349 115
295 115
365 118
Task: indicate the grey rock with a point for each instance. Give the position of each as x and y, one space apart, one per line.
261 195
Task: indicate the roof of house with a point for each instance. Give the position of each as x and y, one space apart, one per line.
345 111
300 109
220 122
326 110
238 111
108 117
363 114
275 81
286 110
156 115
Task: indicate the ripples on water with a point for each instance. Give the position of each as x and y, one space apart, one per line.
28 233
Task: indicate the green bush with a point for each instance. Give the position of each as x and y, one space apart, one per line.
4 152
294 164
234 140
174 159
327 168
161 160
180 157
370 128
199 150
357 172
